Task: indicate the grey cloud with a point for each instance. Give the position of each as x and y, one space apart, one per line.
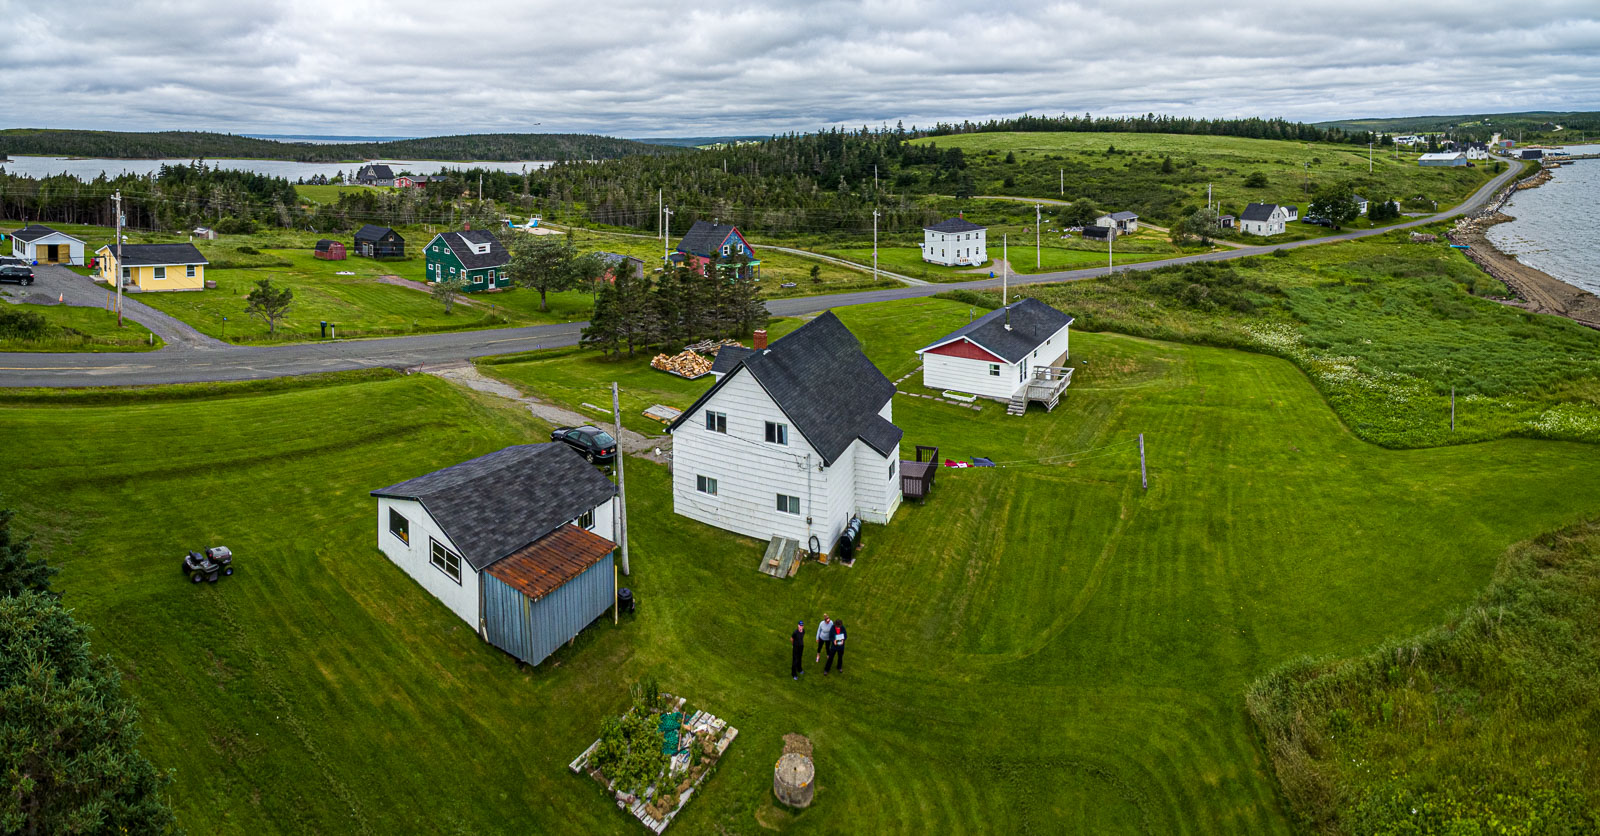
658 68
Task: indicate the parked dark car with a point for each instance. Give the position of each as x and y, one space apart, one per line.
1317 221
595 444
18 273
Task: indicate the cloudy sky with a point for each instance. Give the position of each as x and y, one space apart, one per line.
671 68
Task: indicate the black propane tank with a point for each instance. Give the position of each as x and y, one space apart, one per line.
849 541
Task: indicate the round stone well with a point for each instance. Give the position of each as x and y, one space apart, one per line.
793 779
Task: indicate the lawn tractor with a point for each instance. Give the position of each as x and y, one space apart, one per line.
208 565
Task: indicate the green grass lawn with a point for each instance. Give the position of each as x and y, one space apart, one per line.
908 261
82 330
1043 646
1132 179
330 193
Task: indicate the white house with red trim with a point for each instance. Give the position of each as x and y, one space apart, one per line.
995 354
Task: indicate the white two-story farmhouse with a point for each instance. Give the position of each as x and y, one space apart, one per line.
1264 219
791 441
954 242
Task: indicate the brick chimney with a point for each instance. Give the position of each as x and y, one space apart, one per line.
759 339
466 225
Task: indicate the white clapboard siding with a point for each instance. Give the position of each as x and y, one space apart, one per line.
877 494
461 598
750 473
971 376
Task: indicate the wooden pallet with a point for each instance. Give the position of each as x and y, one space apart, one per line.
781 559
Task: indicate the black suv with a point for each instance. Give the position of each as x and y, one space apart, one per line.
18 273
595 444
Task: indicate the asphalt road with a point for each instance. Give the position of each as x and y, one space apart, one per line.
190 360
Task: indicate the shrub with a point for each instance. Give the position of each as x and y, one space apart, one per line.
1256 180
19 324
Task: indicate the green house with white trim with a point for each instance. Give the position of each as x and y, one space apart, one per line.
473 254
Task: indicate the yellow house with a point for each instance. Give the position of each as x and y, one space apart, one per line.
147 267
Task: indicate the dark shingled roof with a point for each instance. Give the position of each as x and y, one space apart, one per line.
458 244
829 389
374 233
705 239
1092 231
955 225
145 255
1258 212
494 505
382 172
541 567
33 232
1124 216
325 244
729 356
1032 322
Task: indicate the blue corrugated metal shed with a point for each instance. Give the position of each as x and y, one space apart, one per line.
532 629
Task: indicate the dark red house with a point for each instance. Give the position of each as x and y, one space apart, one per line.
329 250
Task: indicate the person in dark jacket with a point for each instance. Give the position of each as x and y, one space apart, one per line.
797 643
836 649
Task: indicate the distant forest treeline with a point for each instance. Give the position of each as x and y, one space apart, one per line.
1531 124
1150 123
197 145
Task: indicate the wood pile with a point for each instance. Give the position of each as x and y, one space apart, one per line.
685 364
710 347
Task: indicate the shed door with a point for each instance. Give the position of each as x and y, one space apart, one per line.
52 253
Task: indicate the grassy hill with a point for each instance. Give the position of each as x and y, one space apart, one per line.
1117 171
1532 123
1040 646
195 144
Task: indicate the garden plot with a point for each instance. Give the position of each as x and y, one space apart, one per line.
653 758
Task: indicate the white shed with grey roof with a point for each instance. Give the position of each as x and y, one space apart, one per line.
995 355
38 243
516 543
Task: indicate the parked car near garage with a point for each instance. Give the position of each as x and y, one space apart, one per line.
595 444
16 274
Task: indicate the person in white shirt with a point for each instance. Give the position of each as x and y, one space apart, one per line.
824 635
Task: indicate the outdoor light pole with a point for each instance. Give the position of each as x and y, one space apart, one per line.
116 275
1369 158
1038 254
665 230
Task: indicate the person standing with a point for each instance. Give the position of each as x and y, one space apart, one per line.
824 636
836 648
797 644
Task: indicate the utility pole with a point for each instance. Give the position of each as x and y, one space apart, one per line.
1038 253
1111 249
1063 173
1369 158
1005 280
874 245
1452 409
661 229
116 275
621 523
480 187
874 177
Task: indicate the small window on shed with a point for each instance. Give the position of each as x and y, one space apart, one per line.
399 526
158 272
586 521
893 465
994 369
445 560
190 271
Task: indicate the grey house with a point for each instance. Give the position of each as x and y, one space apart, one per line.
515 543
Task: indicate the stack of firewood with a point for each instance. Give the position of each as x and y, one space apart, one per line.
683 364
709 346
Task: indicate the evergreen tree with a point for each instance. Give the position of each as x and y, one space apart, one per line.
68 736
19 571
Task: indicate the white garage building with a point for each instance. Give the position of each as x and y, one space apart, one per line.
37 243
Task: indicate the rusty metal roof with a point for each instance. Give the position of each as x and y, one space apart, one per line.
541 567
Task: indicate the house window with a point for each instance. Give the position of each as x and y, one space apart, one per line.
724 249
158 272
125 273
777 433
893 465
788 504
445 560
189 271
705 484
717 422
452 271
586 521
994 369
399 526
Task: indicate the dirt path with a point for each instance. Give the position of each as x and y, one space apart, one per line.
1542 292
461 298
466 374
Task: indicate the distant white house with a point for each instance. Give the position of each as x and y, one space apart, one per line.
516 543
1477 150
1443 158
46 246
953 242
1264 219
1410 139
995 354
1122 222
791 441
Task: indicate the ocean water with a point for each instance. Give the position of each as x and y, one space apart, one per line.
1555 228
88 169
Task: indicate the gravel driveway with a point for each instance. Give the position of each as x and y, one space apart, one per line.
52 282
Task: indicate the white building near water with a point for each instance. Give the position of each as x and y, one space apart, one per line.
955 242
791 441
38 243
